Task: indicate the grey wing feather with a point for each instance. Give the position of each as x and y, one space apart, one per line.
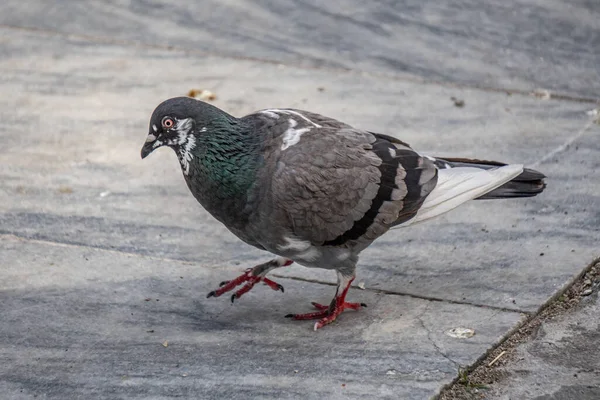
341 186
325 183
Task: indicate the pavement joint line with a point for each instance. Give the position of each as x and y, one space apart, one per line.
411 295
10 235
370 289
184 50
566 144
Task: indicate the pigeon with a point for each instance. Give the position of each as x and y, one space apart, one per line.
314 190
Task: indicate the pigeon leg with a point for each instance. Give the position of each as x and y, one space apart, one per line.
251 277
328 314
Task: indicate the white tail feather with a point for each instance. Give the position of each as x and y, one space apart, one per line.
459 185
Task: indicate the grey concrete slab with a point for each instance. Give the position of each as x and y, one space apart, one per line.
80 322
522 44
76 114
561 362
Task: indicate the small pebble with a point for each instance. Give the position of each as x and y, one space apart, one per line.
586 292
460 333
542 94
458 102
65 190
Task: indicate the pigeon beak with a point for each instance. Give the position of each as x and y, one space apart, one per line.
151 144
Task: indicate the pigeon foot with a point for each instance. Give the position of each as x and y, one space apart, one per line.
328 314
249 278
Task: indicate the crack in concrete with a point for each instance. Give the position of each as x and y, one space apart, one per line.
184 50
373 290
435 345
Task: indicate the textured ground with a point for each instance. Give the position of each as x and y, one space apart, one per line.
560 363
106 259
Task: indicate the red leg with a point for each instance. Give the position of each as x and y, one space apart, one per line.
328 314
251 277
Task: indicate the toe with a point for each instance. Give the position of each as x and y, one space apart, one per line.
319 306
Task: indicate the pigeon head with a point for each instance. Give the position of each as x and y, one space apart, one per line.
213 147
176 123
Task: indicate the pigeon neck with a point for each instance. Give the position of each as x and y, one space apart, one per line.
224 166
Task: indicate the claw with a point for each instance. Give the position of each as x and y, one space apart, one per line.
223 283
211 294
273 285
233 297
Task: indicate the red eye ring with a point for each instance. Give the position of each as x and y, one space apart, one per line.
167 122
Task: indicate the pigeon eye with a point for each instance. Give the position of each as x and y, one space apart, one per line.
167 123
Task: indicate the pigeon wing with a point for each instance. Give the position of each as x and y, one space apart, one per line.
340 186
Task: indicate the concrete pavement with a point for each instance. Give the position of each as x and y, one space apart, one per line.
106 260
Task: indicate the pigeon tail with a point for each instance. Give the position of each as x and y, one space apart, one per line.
459 184
528 184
